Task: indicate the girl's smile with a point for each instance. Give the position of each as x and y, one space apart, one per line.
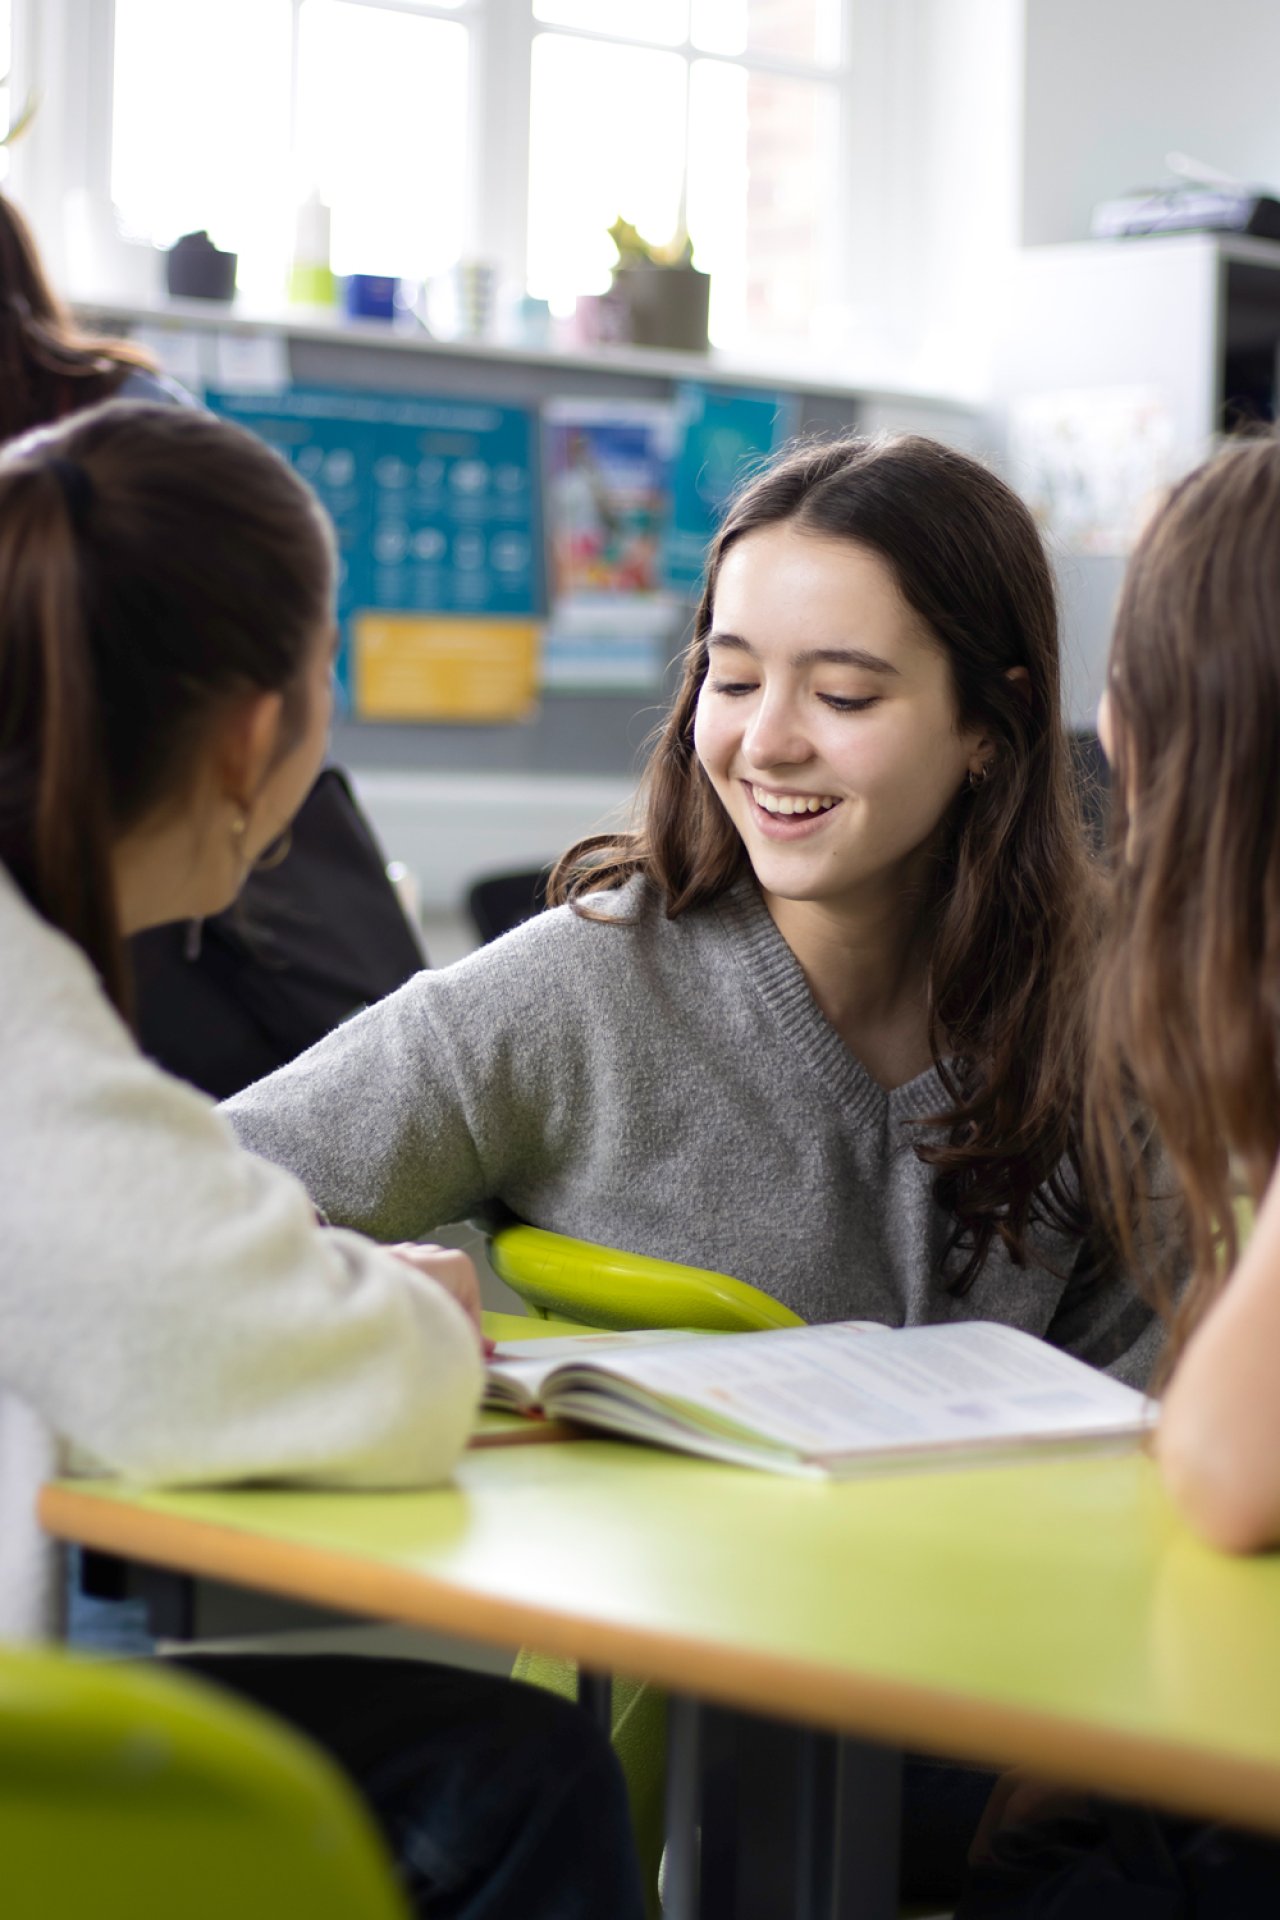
789 816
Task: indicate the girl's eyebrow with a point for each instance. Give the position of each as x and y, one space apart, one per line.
813 656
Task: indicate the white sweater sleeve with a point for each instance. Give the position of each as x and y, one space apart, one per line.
168 1302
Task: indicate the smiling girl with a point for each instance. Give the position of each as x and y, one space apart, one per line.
817 1022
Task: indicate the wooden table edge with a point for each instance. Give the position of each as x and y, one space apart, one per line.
1183 1779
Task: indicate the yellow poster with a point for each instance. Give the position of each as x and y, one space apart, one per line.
415 666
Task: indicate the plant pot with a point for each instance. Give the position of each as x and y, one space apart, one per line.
666 306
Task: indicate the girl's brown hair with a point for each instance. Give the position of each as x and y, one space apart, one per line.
48 368
154 563
1014 926
1188 993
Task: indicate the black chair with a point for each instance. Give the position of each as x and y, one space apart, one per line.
310 941
502 900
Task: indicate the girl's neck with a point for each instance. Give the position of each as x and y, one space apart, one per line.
867 965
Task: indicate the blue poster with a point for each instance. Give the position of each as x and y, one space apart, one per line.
434 500
721 438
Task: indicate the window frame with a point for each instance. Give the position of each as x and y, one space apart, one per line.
64 51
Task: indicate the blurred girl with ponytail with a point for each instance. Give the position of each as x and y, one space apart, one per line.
168 1303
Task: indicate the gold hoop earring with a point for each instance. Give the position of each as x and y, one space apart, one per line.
978 776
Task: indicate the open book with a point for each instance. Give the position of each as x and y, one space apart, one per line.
826 1401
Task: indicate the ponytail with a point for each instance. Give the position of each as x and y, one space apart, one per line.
54 804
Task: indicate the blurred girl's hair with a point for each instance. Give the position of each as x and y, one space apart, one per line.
1188 990
48 367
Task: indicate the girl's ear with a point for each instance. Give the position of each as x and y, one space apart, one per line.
246 744
984 751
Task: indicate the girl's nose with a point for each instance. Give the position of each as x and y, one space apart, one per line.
775 737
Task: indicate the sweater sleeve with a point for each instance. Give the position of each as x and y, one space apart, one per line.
427 1107
167 1301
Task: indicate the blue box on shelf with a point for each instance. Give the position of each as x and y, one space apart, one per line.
369 296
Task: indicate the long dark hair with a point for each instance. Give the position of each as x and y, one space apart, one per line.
1187 1014
48 367
154 562
1015 897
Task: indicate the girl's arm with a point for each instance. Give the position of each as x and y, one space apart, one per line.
386 1121
1219 1437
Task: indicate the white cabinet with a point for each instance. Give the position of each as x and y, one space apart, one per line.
1121 361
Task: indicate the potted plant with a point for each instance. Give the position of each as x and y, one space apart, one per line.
664 294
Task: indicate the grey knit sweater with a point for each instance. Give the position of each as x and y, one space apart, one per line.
667 1087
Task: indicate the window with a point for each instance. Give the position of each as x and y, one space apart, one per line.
363 103
720 118
509 130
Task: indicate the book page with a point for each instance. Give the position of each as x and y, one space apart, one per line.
515 1372
825 1391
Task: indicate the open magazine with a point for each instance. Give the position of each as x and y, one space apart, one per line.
827 1401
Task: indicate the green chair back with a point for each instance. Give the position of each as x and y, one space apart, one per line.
130 1793
599 1287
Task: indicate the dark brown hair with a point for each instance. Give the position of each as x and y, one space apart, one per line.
1015 896
48 367
154 562
1188 994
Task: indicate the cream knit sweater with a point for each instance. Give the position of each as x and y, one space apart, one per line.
167 1303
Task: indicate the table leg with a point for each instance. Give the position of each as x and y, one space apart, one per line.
595 1696
867 1832
764 1818
683 1815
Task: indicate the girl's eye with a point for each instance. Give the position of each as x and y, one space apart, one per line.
839 704
733 686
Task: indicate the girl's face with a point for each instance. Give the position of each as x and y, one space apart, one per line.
826 722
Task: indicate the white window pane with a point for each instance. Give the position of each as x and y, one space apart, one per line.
762 168
200 127
797 29
382 135
606 138
662 23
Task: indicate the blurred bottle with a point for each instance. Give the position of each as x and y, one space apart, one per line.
311 281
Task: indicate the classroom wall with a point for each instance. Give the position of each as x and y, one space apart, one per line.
1111 86
933 200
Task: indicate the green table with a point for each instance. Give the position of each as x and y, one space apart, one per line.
1055 1616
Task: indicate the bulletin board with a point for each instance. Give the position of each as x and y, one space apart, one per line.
435 502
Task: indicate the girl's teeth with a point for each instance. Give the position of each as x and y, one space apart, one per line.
790 803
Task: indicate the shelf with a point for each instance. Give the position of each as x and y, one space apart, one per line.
327 327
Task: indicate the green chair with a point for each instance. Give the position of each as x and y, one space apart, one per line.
598 1287
130 1793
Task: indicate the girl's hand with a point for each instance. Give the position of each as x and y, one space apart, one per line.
450 1269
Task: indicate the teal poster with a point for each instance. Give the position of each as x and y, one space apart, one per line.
721 438
434 499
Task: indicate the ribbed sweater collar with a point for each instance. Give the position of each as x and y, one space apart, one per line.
773 972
